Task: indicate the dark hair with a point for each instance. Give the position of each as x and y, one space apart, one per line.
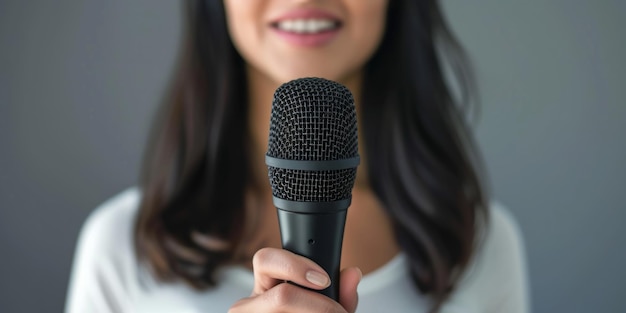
422 161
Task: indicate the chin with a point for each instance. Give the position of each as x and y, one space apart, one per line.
290 69
291 75
337 76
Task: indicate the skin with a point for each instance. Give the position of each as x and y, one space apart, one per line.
272 266
271 61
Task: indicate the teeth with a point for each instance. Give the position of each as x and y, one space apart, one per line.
308 26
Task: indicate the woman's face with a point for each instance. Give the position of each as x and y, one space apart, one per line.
289 39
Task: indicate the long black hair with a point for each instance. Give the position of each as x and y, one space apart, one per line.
422 161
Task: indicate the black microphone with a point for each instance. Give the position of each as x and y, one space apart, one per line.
312 158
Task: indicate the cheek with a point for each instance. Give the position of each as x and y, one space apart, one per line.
370 18
241 19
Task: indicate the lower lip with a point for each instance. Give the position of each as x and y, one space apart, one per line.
308 40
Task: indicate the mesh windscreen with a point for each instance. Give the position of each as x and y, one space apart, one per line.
312 119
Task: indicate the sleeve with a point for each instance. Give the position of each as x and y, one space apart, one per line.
496 281
99 279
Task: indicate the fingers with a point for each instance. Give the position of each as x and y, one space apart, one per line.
288 298
273 266
349 280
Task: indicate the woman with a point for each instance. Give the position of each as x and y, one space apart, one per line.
201 234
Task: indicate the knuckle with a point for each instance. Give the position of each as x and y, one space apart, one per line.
283 295
261 256
272 260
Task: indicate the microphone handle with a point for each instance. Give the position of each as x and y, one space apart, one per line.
317 236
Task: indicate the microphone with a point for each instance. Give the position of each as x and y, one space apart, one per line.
312 158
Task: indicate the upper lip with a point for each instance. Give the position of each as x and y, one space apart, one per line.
305 14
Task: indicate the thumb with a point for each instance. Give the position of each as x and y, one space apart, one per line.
349 280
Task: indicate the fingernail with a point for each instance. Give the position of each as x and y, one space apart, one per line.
317 278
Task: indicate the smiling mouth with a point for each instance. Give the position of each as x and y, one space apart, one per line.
309 26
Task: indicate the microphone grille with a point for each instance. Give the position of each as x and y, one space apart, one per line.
312 119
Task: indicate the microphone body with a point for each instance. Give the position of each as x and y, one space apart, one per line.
312 159
318 237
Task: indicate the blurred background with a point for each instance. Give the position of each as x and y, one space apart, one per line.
80 80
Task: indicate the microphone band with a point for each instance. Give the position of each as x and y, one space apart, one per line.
312 207
306 165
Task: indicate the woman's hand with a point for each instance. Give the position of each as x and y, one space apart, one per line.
272 267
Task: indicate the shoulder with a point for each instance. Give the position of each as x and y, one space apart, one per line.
496 279
502 254
502 235
110 224
104 261
121 208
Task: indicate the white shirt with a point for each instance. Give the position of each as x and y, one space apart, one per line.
107 277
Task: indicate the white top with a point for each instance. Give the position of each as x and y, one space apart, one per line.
107 277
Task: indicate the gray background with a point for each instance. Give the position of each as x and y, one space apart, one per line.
79 81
